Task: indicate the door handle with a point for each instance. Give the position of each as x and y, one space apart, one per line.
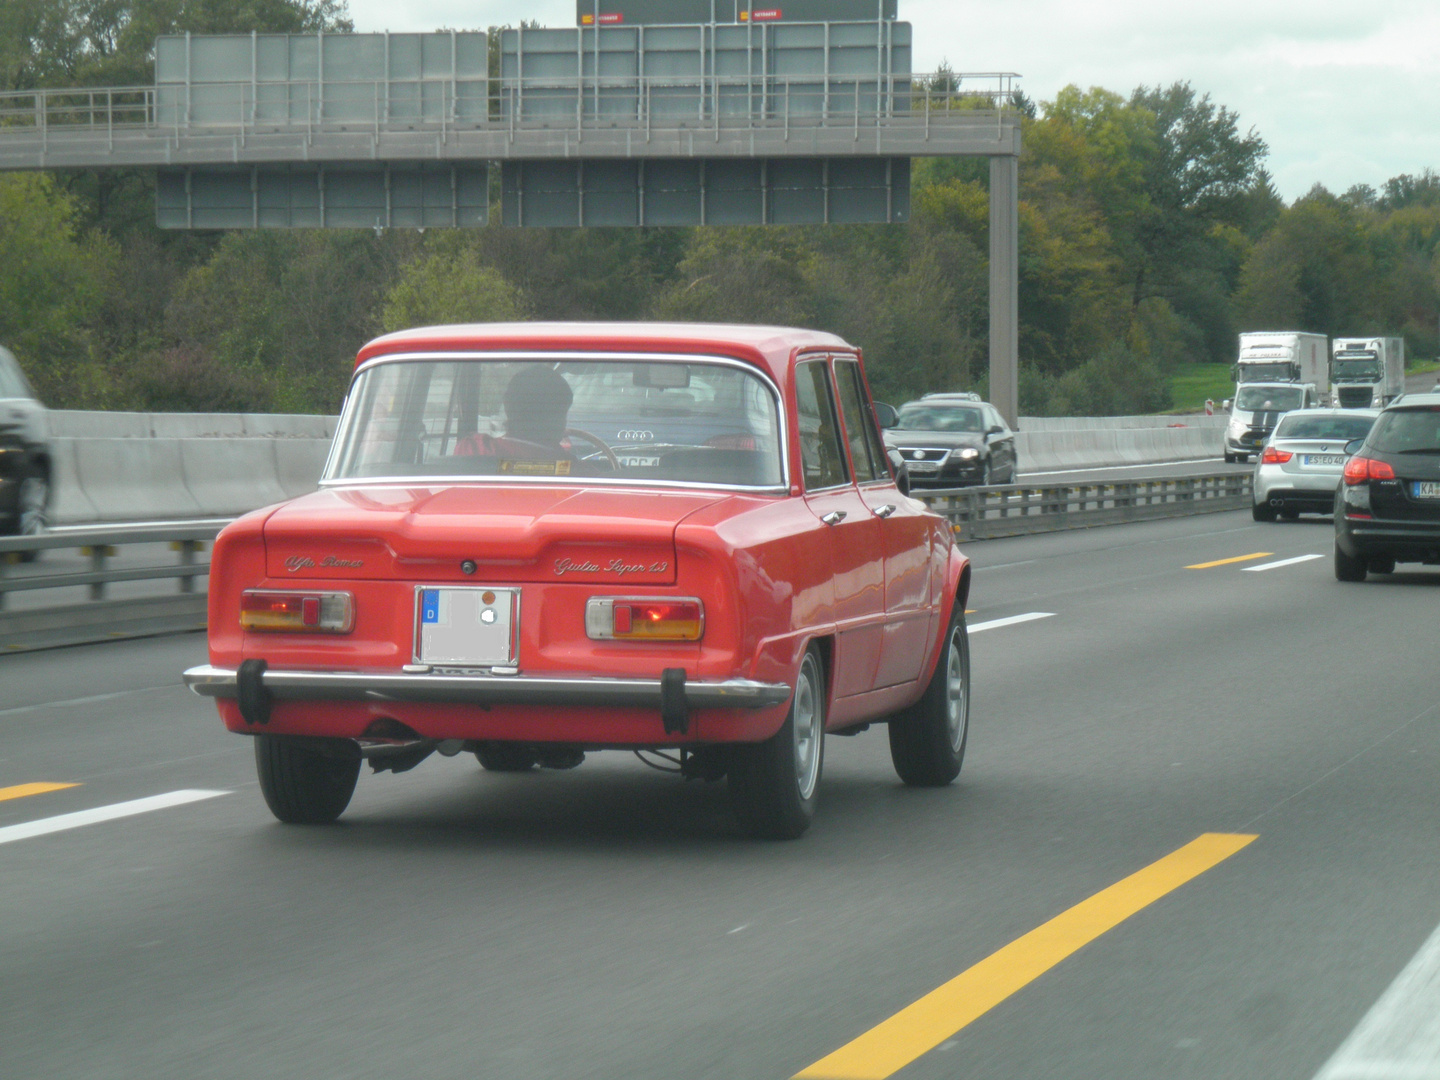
834 517
885 511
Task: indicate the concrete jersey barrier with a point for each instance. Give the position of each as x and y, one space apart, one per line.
158 466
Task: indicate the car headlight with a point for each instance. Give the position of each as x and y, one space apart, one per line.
968 454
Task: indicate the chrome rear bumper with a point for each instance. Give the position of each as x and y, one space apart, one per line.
482 689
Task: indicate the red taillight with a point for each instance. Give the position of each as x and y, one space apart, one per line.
637 618
1275 457
303 612
1361 470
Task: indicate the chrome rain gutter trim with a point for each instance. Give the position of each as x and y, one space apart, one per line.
217 682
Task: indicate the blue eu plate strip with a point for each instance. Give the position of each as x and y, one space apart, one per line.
430 605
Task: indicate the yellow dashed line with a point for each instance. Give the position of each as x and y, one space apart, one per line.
1227 562
887 1048
19 791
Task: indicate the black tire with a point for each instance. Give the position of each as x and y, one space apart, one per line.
306 781
927 740
506 757
1380 564
1347 568
1229 458
1262 512
32 508
775 785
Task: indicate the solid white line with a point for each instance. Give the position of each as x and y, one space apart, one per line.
1399 1038
45 826
1282 562
1011 621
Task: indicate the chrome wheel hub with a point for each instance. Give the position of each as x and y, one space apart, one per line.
807 728
956 701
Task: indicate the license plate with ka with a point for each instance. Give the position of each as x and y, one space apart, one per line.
1425 489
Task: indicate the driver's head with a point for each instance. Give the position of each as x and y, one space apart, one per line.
537 402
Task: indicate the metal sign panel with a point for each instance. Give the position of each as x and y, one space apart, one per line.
224 79
358 196
687 191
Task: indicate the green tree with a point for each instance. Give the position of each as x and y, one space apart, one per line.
448 283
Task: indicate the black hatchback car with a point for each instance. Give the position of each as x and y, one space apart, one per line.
1387 509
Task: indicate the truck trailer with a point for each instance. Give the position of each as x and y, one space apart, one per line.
1284 356
1367 372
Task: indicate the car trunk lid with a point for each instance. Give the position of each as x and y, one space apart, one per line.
512 533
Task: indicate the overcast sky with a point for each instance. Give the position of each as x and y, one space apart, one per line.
1343 91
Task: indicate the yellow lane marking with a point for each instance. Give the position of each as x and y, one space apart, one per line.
894 1043
1227 562
19 791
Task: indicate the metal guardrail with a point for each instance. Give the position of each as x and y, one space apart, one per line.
982 513
102 617
976 514
641 101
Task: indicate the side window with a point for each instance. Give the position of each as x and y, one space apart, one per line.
821 456
865 452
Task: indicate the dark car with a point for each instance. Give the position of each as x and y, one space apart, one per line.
24 455
1388 507
953 440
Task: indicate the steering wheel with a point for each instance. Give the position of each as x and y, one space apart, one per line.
604 448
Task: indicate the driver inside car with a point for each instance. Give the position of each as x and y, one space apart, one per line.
537 404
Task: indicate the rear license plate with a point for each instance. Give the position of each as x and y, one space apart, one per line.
470 626
1425 489
639 461
1323 459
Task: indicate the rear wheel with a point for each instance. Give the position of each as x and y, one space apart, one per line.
1348 568
306 781
774 785
1262 512
31 509
927 740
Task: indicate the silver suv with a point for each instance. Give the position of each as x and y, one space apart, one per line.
24 455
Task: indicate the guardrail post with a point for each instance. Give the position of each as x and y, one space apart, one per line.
5 561
98 553
187 550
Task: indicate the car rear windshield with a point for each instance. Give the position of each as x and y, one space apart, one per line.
626 419
1340 428
922 416
1407 431
1268 398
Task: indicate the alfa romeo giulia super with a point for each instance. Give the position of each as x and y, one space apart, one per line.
531 541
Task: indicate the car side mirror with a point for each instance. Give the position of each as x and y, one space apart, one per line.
885 415
995 429
1353 447
899 468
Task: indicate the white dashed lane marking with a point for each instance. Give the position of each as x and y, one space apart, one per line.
1012 620
1282 562
29 829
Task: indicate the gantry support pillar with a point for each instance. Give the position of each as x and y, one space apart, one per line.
1005 286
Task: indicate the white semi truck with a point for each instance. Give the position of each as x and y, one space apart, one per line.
1367 372
1284 356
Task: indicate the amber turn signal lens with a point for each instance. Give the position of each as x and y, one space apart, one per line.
297 612
641 618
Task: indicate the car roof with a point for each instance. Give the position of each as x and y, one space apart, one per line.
1428 400
769 347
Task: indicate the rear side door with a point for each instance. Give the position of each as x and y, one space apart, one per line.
906 533
1001 443
849 534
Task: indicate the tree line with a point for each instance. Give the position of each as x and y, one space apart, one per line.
1150 234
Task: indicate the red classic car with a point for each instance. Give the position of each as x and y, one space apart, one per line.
535 540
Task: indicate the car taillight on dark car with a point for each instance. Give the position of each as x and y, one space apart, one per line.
1361 470
297 612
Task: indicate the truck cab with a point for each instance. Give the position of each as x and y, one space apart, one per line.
1367 372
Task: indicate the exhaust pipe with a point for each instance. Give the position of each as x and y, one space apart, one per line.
1277 503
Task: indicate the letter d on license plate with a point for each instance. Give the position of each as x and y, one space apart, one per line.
473 626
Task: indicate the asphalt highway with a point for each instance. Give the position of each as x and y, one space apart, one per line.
1135 688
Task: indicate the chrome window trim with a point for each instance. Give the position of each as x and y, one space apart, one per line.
777 398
